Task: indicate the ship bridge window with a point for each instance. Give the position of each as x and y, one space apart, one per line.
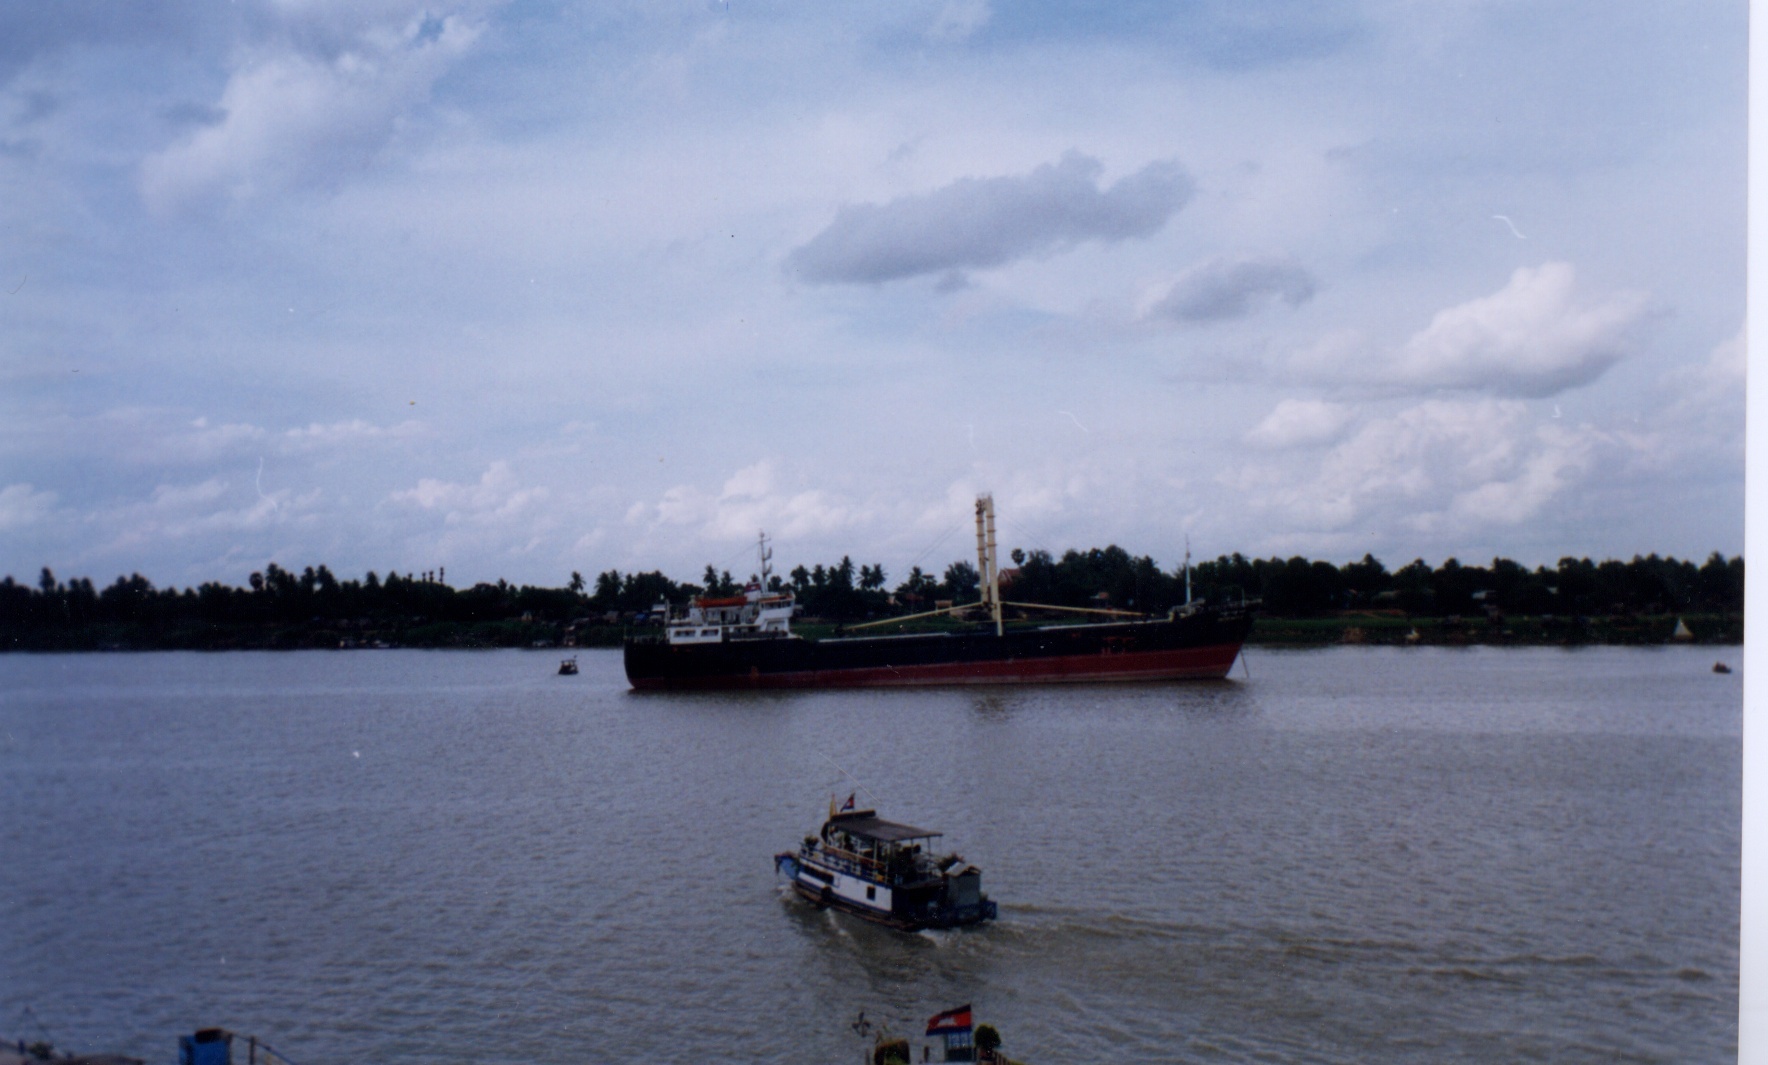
709 632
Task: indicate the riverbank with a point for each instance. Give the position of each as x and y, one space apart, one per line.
1369 628
1347 628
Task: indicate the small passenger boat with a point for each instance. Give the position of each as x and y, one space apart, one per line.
885 872
568 668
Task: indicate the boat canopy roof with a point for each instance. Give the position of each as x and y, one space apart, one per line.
864 824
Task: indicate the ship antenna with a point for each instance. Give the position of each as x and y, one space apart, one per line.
856 781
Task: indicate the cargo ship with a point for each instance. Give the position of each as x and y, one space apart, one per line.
746 641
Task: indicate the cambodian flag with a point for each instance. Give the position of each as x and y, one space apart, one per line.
848 805
951 1021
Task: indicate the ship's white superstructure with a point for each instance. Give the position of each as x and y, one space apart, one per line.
758 613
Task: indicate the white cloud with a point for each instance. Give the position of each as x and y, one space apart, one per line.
1224 288
167 497
1554 460
196 512
293 119
750 500
542 226
22 504
960 18
496 497
981 222
1432 467
495 517
135 436
1698 427
157 436
318 437
896 528
1339 356
1300 423
1533 337
1714 388
1728 365
195 442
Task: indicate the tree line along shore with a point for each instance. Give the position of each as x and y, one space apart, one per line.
1300 601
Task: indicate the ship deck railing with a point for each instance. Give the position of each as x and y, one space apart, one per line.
849 862
856 864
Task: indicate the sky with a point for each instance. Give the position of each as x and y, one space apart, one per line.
518 289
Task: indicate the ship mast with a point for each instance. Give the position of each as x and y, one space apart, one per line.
1187 569
766 557
986 565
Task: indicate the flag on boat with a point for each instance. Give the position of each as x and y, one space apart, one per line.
951 1021
848 805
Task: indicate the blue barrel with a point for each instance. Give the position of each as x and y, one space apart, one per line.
209 1046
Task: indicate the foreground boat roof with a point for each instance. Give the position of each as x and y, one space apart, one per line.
864 824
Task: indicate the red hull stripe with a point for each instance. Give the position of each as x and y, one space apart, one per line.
1188 663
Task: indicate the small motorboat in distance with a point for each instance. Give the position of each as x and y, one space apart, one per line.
1720 667
568 668
884 872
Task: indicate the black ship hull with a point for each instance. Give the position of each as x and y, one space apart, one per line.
1201 644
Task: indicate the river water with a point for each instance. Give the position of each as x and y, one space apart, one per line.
1344 855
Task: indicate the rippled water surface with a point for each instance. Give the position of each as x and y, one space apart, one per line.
1350 855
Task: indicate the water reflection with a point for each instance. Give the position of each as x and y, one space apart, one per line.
1204 698
995 706
1226 699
